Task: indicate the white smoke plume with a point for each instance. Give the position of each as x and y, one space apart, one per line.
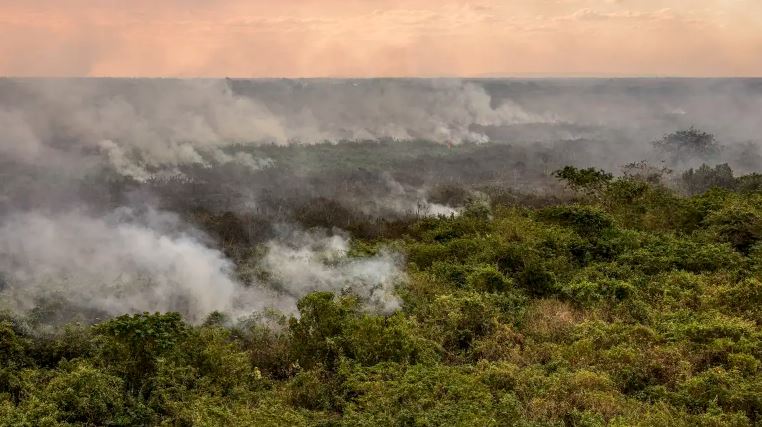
407 200
139 126
114 264
302 261
128 262
135 126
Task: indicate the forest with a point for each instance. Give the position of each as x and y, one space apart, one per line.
621 298
380 252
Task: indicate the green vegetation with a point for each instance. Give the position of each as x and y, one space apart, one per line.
629 305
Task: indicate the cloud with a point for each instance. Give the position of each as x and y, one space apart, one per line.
665 15
594 15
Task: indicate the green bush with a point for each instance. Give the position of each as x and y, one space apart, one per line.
316 336
455 321
418 395
738 225
536 279
488 279
374 339
83 394
135 342
586 293
585 220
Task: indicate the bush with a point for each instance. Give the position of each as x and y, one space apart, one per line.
455 321
315 389
589 180
137 342
738 225
83 394
664 253
743 299
536 279
704 178
316 336
13 348
374 339
417 395
586 293
724 389
488 279
585 220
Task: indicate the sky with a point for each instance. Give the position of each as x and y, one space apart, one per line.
380 38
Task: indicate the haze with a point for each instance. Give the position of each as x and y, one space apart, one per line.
311 38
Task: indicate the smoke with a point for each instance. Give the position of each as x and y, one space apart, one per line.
404 199
248 140
300 261
141 126
130 261
116 264
135 126
439 110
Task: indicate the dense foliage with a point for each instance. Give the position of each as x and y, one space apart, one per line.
629 305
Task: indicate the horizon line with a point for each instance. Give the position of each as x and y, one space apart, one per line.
488 76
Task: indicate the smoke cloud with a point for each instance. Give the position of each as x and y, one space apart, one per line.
141 126
69 234
300 261
116 264
128 262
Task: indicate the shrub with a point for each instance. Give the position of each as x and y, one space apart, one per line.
743 299
13 348
417 395
702 179
83 394
374 339
138 341
725 389
455 321
314 389
589 180
738 225
316 335
536 279
586 220
586 293
488 279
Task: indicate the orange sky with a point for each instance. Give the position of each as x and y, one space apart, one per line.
316 38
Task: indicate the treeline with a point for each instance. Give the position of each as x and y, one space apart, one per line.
631 304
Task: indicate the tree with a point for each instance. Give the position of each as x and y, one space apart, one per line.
684 145
703 178
139 340
642 171
84 394
316 336
590 181
737 224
